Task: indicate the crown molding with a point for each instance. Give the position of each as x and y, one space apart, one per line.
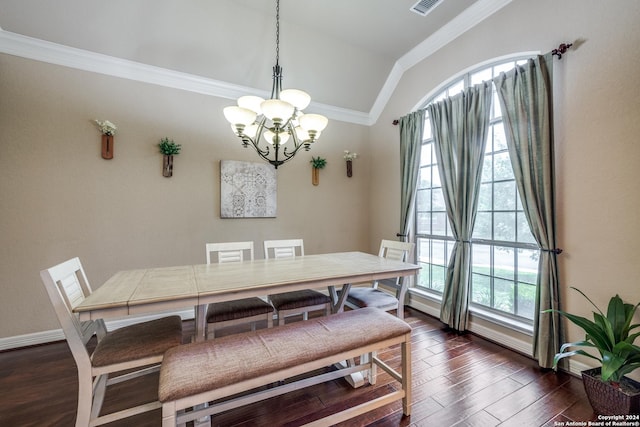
66 56
53 53
462 23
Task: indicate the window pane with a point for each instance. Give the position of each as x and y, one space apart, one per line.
423 200
425 177
485 197
481 76
526 300
482 227
528 265
425 155
439 224
503 68
426 132
502 169
504 295
455 88
505 196
487 168
438 277
435 175
423 223
499 138
504 226
503 263
438 200
524 232
481 290
496 109
439 252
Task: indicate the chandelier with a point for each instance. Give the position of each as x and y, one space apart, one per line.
277 119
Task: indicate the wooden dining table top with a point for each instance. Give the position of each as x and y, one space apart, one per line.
155 289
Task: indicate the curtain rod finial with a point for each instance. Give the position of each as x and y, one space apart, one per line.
561 49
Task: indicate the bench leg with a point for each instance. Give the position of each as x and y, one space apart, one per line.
169 414
373 372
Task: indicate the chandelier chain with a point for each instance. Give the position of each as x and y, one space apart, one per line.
277 32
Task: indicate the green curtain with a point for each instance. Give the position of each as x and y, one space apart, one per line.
411 129
460 125
525 95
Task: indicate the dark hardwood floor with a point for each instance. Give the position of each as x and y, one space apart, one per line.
459 380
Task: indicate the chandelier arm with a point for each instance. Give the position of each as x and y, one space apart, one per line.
261 152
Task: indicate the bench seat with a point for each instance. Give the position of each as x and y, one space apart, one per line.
196 373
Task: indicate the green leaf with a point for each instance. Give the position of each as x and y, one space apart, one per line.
616 317
610 364
605 326
594 332
565 346
584 295
631 338
560 356
630 311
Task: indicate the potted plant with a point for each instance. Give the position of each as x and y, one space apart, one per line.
317 163
609 391
350 157
168 148
107 129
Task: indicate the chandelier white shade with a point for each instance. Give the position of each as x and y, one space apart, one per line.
276 120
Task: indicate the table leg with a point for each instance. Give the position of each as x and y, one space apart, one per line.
201 330
337 306
200 322
337 302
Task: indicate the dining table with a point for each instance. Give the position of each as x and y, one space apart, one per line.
160 289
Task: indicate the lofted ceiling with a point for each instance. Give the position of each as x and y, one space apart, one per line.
344 53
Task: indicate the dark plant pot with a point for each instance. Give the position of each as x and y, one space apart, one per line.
349 168
167 165
610 399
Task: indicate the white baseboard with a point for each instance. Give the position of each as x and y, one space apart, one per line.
11 343
520 345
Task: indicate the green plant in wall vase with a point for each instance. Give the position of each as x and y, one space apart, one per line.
168 148
317 163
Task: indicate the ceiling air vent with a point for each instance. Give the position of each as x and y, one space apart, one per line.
424 6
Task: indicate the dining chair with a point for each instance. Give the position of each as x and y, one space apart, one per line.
373 296
295 302
139 347
235 312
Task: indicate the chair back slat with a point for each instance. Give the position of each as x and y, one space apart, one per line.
283 248
229 251
398 251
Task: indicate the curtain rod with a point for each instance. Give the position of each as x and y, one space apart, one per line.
559 51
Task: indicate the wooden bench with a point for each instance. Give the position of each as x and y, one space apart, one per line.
194 374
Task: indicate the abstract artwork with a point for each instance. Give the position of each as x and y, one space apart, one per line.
247 190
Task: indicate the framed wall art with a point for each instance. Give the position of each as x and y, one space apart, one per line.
247 190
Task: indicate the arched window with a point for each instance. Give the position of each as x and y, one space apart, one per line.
504 253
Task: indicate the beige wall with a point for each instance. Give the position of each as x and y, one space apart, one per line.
60 199
597 119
